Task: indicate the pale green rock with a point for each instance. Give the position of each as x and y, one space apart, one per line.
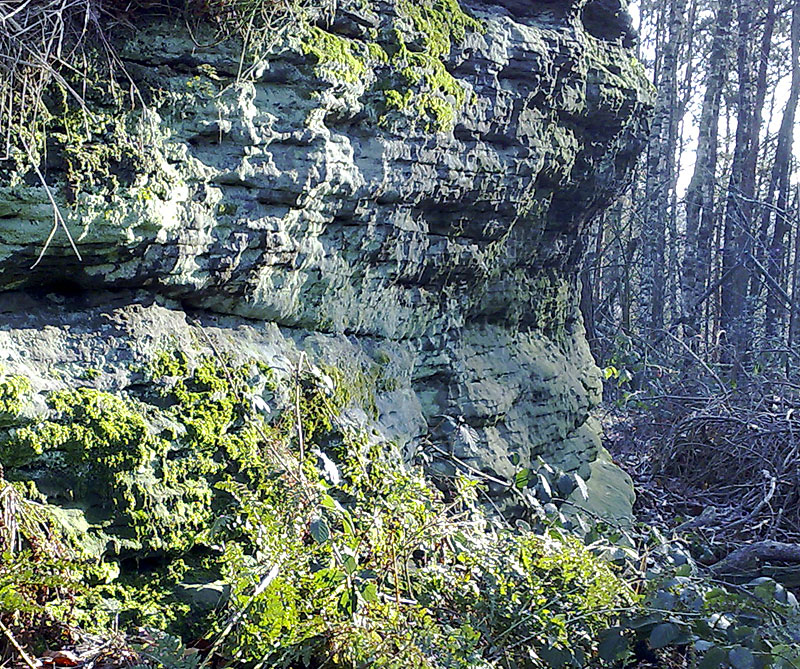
291 210
610 493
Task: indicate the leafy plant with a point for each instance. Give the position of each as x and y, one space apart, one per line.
351 557
744 626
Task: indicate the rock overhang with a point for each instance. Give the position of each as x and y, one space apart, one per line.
308 197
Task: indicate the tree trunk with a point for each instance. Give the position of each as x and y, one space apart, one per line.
660 170
700 199
779 185
736 321
794 316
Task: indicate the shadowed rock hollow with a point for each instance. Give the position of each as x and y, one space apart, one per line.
399 193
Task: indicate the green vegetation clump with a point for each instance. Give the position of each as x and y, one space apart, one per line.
438 25
418 81
368 565
340 57
13 393
328 547
99 446
242 510
97 150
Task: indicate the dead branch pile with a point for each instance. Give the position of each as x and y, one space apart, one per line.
732 467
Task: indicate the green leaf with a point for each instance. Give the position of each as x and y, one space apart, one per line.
663 635
319 530
555 657
545 484
786 657
644 621
347 524
514 457
624 376
713 658
329 578
741 658
664 600
370 593
329 468
328 502
347 603
544 465
522 478
781 594
613 646
350 564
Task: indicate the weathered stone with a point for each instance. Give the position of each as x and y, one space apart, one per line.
418 222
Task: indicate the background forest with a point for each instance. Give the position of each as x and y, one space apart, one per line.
701 257
692 280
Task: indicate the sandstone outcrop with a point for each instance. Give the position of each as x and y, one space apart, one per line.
399 193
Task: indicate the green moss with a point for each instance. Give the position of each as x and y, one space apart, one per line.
438 25
377 53
97 150
169 364
100 446
91 426
418 82
14 392
441 22
90 374
135 599
227 209
336 56
357 387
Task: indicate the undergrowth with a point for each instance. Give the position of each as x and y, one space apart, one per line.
330 549
319 545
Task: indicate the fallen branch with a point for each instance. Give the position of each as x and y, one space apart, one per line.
59 219
750 557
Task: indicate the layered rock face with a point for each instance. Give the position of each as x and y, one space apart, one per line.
399 193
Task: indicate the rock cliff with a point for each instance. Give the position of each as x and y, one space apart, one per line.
397 193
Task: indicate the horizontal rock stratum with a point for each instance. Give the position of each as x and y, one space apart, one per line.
398 191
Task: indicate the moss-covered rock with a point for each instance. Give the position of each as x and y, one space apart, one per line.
13 393
402 189
229 487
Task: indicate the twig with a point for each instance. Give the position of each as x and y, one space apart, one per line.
298 413
25 657
236 617
59 219
702 362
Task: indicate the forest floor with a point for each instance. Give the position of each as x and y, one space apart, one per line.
723 468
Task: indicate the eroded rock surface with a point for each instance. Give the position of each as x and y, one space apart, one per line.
400 192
